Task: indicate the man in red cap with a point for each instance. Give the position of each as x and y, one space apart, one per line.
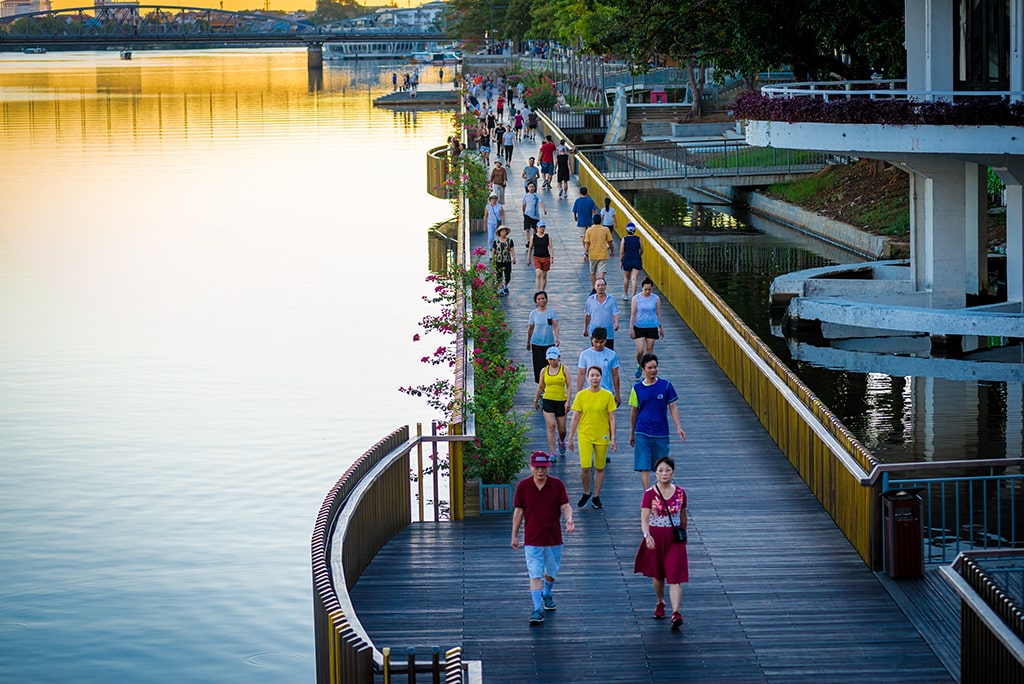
542 502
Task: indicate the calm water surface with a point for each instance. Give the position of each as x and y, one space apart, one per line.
209 282
905 406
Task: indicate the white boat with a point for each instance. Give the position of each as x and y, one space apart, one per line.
436 58
34 50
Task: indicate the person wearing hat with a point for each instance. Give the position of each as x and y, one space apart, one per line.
539 255
542 502
631 250
499 179
494 216
503 255
553 399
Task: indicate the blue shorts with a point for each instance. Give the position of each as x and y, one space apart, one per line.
543 560
647 450
547 167
485 148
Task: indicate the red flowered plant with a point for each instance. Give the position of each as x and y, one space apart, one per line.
498 454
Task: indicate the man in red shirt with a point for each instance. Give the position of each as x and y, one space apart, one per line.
547 160
541 501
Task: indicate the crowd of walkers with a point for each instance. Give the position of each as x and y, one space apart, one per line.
581 418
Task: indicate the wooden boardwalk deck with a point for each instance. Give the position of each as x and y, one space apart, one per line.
776 593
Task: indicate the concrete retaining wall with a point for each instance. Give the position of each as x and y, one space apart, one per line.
836 232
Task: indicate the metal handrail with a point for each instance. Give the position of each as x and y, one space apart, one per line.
888 88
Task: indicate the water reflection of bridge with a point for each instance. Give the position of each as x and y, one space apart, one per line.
162 25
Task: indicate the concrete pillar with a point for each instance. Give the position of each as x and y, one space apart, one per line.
1016 48
976 225
1013 175
315 56
938 239
914 42
938 71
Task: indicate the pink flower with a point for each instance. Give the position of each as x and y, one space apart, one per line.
479 251
416 337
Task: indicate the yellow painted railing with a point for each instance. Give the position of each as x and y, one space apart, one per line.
829 459
437 172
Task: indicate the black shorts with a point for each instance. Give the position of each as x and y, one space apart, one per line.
649 333
553 406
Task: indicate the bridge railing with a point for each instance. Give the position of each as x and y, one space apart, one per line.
369 505
822 450
990 586
698 160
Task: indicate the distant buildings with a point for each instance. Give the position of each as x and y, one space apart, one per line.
11 8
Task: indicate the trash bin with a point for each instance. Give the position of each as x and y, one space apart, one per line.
904 540
659 97
592 118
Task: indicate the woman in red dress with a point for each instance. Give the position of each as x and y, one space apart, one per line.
660 557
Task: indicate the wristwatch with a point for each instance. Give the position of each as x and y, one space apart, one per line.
646 535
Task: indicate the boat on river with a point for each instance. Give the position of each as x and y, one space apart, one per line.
34 50
436 58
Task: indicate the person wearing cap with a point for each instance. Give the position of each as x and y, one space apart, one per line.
541 501
631 250
503 256
540 255
593 419
498 181
533 205
541 332
552 399
494 216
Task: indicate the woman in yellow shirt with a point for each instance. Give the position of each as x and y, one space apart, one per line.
594 418
553 399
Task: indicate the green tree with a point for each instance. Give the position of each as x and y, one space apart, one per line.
336 10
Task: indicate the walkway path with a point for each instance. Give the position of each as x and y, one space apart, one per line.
776 593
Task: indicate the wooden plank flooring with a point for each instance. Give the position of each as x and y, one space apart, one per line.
776 593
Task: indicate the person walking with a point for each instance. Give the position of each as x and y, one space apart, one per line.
547 160
552 399
494 216
562 168
645 321
540 255
533 205
631 250
660 557
601 311
508 140
598 245
531 174
593 419
606 359
531 124
483 137
583 210
608 215
503 257
542 502
541 332
517 125
651 401
499 181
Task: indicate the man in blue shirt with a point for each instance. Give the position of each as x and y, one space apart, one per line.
652 400
583 210
606 359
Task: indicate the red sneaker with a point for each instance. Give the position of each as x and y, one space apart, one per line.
677 620
659 611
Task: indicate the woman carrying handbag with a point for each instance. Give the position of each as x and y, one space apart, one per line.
660 556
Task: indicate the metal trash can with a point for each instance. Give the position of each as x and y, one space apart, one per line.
904 538
592 118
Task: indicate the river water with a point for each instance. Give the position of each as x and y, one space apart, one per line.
210 273
902 400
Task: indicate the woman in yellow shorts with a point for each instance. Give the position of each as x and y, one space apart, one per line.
594 418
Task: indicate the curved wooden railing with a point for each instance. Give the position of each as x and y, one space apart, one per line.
823 451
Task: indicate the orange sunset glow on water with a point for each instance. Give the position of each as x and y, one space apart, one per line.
242 5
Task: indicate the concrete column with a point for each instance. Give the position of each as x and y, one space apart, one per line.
1016 47
938 71
1013 175
976 225
914 42
937 230
315 56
